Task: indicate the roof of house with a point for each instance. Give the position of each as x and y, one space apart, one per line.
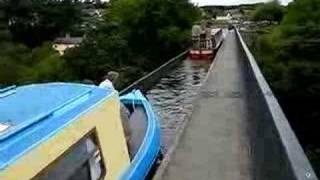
68 40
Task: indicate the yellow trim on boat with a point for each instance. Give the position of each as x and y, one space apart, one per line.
104 117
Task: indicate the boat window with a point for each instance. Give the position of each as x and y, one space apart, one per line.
83 161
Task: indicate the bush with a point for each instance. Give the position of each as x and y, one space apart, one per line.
271 11
290 59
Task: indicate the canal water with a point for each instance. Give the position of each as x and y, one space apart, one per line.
172 97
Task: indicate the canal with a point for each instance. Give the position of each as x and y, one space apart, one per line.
172 97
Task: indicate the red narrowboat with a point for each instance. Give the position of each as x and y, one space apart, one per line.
205 43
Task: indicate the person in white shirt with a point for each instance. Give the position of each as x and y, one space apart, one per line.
109 79
106 84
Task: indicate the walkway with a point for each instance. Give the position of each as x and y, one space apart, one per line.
214 144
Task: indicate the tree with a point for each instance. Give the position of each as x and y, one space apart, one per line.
271 11
291 62
4 32
150 25
20 64
47 66
134 37
9 53
33 22
104 49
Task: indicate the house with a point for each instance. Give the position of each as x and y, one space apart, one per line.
61 44
228 17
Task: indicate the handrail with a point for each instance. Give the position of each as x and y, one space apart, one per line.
7 91
296 157
8 88
157 71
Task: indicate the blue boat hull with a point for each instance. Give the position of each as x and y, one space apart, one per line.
150 147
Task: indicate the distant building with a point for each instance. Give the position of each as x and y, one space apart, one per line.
228 17
63 43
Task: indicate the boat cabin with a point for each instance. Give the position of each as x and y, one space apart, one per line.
70 131
205 42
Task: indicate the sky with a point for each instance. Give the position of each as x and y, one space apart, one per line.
232 2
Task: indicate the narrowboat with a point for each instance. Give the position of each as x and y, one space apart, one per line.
205 43
70 131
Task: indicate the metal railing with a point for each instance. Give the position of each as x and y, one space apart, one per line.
147 81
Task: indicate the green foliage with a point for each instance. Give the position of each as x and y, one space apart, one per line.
103 50
135 37
147 21
11 63
214 12
295 44
271 11
290 59
20 65
47 66
4 32
314 154
33 22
